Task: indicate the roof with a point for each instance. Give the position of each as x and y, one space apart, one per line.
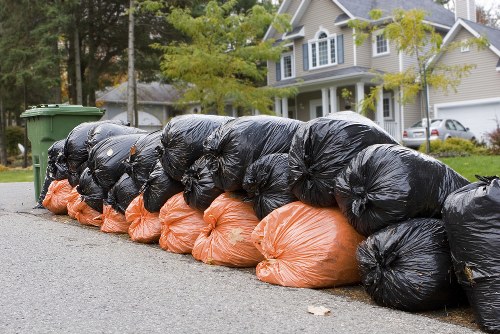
333 74
492 34
147 93
361 9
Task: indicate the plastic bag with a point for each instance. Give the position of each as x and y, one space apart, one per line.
199 187
159 188
143 156
113 221
106 159
183 138
75 148
388 184
107 130
225 239
56 200
57 169
74 176
90 191
238 143
322 147
307 247
122 193
472 220
144 226
72 200
181 225
85 214
266 183
408 266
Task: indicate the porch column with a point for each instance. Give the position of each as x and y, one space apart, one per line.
277 106
360 95
324 101
398 113
333 99
284 107
379 115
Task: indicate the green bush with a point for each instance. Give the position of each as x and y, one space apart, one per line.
494 138
13 136
453 147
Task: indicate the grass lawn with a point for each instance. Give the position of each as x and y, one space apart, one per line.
484 165
16 175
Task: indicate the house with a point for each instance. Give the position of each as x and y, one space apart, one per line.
322 59
156 103
476 103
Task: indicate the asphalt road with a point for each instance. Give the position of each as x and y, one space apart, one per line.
57 276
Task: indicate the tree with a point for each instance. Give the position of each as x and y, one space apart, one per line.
489 17
224 56
411 36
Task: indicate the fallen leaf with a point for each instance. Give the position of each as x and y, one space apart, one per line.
318 310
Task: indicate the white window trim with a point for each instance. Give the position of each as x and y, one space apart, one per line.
374 45
391 107
329 37
282 64
464 47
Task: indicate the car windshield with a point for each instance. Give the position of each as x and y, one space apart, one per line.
434 122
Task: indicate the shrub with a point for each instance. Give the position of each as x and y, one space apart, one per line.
494 138
453 147
13 136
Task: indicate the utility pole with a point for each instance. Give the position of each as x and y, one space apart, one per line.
131 68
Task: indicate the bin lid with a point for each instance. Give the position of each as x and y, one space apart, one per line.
57 109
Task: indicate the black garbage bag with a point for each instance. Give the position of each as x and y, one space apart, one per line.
183 138
266 183
322 147
91 193
408 266
106 130
143 156
386 184
472 220
75 147
238 143
159 188
199 187
122 193
57 169
107 157
74 176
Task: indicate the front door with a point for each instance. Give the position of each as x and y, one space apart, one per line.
315 109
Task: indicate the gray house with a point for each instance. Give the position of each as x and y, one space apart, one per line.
156 104
322 59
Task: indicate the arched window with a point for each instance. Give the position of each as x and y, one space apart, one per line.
322 50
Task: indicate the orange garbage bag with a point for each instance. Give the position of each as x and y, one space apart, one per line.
113 221
144 226
307 247
72 199
56 199
181 225
226 238
85 214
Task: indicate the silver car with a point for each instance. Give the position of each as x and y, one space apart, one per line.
442 129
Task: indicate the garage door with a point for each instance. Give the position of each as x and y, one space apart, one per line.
480 118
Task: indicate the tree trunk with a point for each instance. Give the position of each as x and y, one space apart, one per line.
78 67
3 142
131 68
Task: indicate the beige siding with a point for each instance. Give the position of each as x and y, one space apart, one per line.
364 54
303 111
483 81
412 113
292 8
387 63
271 73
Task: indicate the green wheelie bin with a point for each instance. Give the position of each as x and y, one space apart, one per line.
49 123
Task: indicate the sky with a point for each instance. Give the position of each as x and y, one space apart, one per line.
488 3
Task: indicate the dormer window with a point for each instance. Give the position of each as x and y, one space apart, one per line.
323 50
380 44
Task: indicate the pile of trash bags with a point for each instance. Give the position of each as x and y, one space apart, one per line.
330 202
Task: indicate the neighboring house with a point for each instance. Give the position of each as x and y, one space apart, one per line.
476 104
322 59
155 103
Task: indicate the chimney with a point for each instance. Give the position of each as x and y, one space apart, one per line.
465 9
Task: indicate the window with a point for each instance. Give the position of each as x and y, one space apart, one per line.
287 64
322 50
380 44
465 46
459 126
387 107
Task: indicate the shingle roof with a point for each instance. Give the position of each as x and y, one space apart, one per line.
492 34
343 72
435 12
146 92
